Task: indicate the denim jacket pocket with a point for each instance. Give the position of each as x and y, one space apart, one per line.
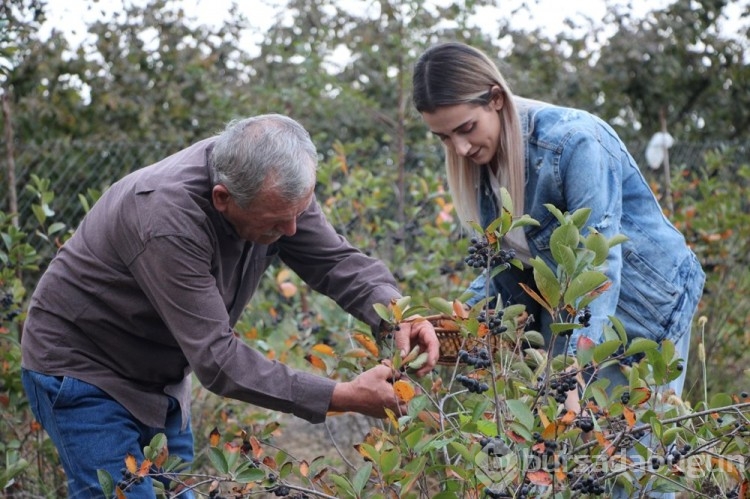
647 299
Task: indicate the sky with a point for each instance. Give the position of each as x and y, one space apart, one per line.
72 15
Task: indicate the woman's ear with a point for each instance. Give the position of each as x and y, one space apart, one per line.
498 98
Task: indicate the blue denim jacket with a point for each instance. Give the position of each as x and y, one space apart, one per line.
575 160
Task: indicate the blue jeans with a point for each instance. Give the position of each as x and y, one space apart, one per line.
92 431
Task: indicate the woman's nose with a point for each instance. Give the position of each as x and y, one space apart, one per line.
462 146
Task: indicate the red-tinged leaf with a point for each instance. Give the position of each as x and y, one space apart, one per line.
257 448
119 493
232 447
561 474
437 385
316 361
431 419
459 310
585 343
35 426
629 415
640 396
145 467
539 447
744 489
404 390
676 470
367 343
131 464
515 436
540 477
551 431
270 462
214 437
541 301
4 400
324 349
162 457
606 444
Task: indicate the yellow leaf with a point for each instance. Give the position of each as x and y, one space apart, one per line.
356 353
728 466
629 415
367 343
324 349
392 419
214 437
131 464
568 418
316 362
404 390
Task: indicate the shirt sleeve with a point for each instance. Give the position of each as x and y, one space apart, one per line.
332 266
591 177
174 272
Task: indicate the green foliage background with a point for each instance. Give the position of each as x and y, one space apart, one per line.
151 80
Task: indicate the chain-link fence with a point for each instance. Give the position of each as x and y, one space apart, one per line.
74 167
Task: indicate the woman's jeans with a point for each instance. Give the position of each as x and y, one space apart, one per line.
92 431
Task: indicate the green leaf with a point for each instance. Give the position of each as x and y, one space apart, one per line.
582 284
56 227
720 400
534 338
248 475
558 328
521 413
389 460
546 281
597 243
617 239
360 478
620 328
382 311
106 483
556 212
343 486
580 217
640 345
524 221
463 450
441 305
218 460
604 350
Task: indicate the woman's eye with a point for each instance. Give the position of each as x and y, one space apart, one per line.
467 129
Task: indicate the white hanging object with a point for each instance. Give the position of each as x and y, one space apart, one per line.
657 146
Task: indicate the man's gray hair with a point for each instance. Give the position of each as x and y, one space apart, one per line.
269 151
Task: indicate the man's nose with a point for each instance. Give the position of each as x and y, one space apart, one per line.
288 228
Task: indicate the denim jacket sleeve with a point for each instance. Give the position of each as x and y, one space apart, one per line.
590 176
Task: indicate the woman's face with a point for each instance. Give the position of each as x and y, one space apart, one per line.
471 130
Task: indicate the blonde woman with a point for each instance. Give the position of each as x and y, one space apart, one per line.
543 153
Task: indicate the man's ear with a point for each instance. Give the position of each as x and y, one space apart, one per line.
221 198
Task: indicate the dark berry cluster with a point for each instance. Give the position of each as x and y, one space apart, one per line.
478 358
587 485
494 322
9 311
585 423
281 491
494 446
584 317
128 479
673 456
561 385
482 256
472 384
497 494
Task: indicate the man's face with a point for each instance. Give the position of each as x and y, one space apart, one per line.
265 219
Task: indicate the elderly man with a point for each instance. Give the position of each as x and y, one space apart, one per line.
149 287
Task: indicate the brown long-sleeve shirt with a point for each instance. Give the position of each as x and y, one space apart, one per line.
152 282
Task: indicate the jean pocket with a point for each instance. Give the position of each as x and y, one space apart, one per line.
44 385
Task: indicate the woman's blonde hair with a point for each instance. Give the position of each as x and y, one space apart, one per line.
454 73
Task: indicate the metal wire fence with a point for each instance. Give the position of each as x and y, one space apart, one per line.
74 167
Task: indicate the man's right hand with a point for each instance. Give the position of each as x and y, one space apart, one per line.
369 393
